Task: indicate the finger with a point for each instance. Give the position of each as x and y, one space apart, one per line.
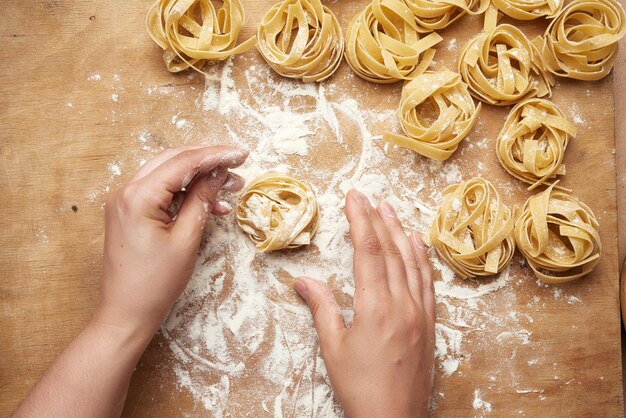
160 158
370 275
233 183
221 207
411 272
426 272
178 171
327 316
198 203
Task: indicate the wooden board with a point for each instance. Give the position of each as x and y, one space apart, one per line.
83 87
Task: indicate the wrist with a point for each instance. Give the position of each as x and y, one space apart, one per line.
123 329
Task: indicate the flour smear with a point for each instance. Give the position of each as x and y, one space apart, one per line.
240 338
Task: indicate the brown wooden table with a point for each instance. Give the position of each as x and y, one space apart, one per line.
82 82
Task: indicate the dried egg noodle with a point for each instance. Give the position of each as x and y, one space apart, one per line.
174 26
439 14
472 231
301 39
529 9
558 235
581 43
278 212
532 143
453 114
383 44
500 65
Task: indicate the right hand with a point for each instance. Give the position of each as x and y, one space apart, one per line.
383 365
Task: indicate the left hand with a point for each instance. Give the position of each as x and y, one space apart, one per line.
148 255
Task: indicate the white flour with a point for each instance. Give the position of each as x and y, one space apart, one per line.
220 323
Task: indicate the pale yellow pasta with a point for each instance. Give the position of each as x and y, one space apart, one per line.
436 112
581 43
192 32
501 66
439 14
529 9
472 231
301 39
278 212
383 44
558 235
531 145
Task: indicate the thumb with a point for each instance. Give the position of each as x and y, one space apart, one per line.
198 204
327 316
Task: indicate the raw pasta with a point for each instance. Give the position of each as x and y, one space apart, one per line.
529 9
532 143
581 43
192 32
472 231
383 44
558 235
436 112
439 14
301 39
500 65
278 212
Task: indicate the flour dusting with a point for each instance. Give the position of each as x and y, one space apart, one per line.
240 305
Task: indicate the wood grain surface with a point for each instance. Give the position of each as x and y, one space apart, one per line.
82 81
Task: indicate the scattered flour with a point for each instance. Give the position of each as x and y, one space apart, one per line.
220 322
479 403
115 169
239 307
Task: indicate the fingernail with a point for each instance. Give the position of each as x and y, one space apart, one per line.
302 289
388 210
233 183
360 198
417 240
225 206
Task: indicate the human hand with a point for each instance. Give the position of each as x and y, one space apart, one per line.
148 255
382 366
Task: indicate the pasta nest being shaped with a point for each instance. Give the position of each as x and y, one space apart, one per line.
472 231
301 39
439 14
383 44
501 66
278 212
529 9
192 32
581 43
558 235
531 145
436 113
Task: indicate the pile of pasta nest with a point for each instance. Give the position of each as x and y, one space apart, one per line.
393 40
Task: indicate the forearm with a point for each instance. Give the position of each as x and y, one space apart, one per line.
90 378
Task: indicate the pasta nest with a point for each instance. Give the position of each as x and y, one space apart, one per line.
529 9
278 212
558 235
383 44
439 14
501 67
581 43
436 113
301 39
531 145
473 228
192 32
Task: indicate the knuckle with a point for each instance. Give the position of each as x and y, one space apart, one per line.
411 267
382 312
371 246
390 248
